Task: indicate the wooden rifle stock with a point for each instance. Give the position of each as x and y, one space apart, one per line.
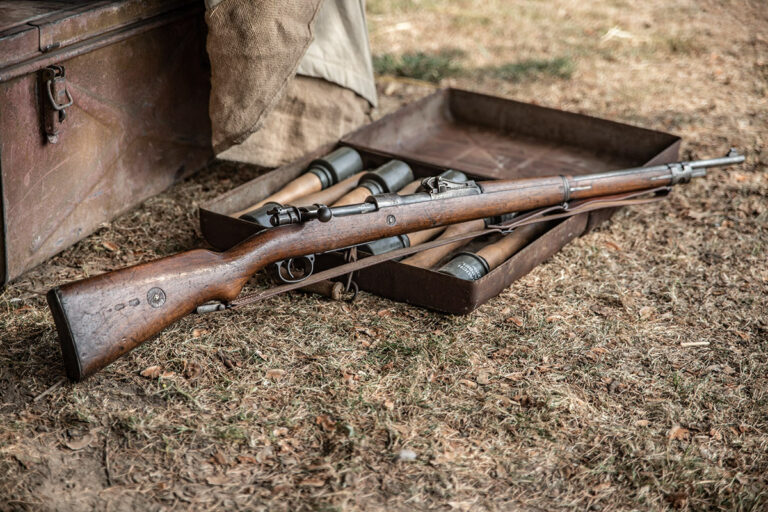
103 317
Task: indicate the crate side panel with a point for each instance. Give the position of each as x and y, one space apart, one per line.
139 123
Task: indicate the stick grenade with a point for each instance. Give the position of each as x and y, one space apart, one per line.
331 194
419 237
431 257
471 266
322 173
389 178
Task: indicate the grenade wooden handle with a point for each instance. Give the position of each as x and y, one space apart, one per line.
305 184
431 257
331 194
499 252
419 237
357 195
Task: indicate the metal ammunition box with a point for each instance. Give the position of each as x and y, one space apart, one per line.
102 104
487 138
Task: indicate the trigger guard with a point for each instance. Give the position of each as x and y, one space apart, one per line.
285 268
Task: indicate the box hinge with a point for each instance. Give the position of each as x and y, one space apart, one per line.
56 99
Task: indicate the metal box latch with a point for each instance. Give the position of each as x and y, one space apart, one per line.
56 100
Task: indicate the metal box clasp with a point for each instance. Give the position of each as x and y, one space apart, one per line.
56 100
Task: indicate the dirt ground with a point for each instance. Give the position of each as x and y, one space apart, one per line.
571 390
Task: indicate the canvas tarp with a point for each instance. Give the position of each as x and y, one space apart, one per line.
259 107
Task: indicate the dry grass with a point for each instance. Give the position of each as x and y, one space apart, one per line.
579 407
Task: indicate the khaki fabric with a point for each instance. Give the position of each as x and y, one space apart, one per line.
312 112
341 52
254 47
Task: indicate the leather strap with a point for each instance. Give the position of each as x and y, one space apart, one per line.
541 215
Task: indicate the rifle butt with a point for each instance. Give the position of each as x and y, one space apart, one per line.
103 317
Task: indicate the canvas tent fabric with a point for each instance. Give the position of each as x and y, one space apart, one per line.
261 111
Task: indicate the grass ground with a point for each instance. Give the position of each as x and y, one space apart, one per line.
570 390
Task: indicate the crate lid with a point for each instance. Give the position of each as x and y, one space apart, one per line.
31 28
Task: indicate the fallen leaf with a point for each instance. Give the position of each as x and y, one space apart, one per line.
678 432
219 458
167 374
312 482
349 379
217 480
642 423
110 246
612 245
468 383
601 487
246 459
384 313
226 360
326 422
515 320
715 434
192 370
483 379
515 376
552 319
598 350
698 215
524 400
275 374
79 444
196 333
152 372
744 336
389 405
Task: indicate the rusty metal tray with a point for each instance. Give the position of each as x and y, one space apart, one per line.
486 137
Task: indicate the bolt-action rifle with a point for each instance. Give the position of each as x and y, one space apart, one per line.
102 317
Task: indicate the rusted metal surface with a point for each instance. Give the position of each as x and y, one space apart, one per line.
18 12
139 122
497 138
18 44
31 29
92 18
486 137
